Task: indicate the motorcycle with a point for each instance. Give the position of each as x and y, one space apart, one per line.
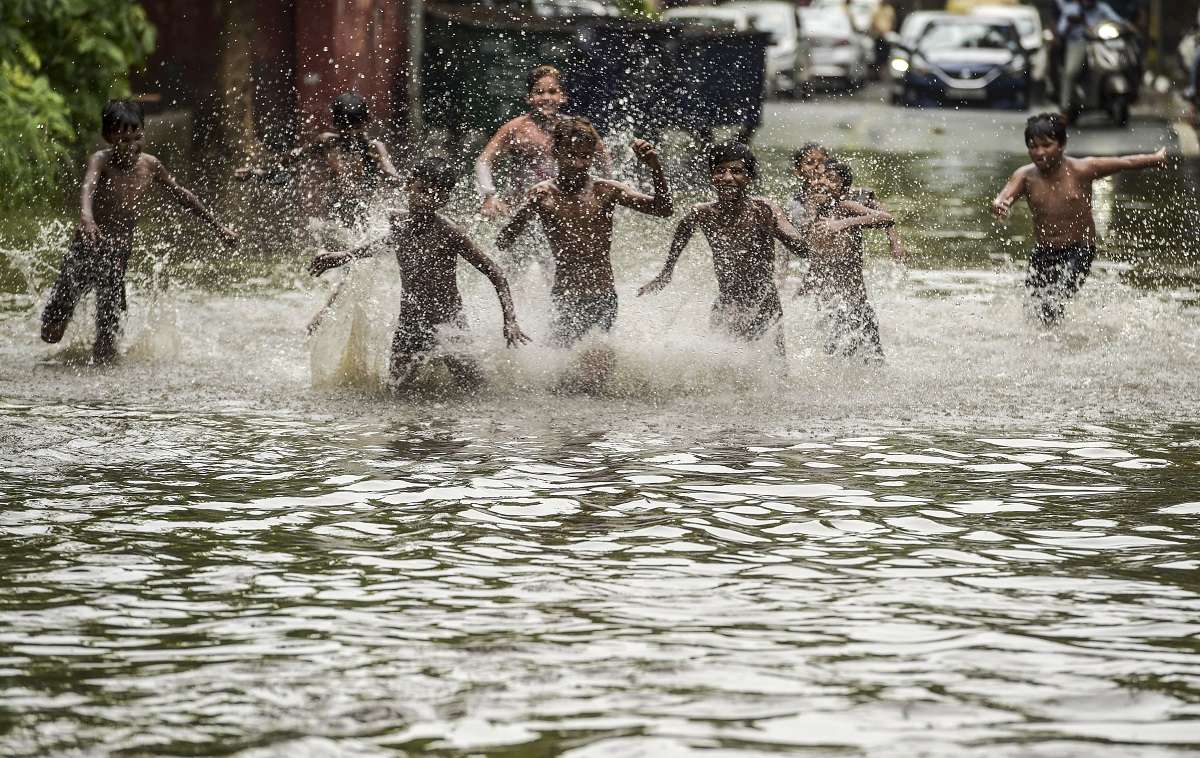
1112 73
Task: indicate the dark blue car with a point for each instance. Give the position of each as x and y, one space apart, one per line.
963 59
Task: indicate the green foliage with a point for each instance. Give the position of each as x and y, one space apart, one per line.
60 60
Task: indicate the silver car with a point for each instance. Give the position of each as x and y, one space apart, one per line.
836 49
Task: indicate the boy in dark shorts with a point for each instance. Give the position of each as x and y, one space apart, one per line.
576 212
354 165
114 186
741 230
1058 190
427 247
833 230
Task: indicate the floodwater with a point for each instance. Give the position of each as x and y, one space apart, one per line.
233 543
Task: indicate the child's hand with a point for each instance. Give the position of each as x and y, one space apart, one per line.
493 207
899 254
513 334
1160 156
646 153
91 232
324 261
654 285
542 196
1001 207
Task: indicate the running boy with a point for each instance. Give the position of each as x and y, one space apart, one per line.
741 230
354 164
1058 190
576 212
427 247
835 271
111 201
808 165
527 141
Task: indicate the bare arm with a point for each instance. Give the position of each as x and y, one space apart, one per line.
485 183
525 212
1013 191
186 198
658 204
325 260
1098 168
87 220
683 234
893 231
384 159
513 335
863 218
784 231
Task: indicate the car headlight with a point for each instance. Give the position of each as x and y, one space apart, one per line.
899 65
1108 30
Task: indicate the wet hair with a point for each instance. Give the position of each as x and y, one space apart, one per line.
570 130
349 110
733 151
842 171
805 149
121 115
1049 125
436 172
541 72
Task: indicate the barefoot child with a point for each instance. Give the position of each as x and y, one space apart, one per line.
835 272
576 212
114 187
527 142
427 248
1058 190
741 230
353 164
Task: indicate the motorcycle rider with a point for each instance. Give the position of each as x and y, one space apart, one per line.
1075 18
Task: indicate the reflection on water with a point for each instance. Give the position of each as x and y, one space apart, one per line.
988 547
271 585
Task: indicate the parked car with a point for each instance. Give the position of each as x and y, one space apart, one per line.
1033 38
838 52
787 53
573 8
860 11
976 59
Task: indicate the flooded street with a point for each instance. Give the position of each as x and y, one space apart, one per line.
232 543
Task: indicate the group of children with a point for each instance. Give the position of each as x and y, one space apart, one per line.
575 211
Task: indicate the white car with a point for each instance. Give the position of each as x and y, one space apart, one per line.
1029 25
787 56
837 53
860 11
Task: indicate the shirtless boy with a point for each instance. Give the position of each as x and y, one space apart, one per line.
808 165
1058 190
354 164
527 142
576 212
427 248
114 190
835 273
741 230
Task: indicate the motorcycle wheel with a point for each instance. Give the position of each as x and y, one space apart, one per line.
1118 109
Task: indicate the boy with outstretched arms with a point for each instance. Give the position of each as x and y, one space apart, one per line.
114 189
808 165
354 165
741 230
833 228
1058 190
576 213
427 247
527 141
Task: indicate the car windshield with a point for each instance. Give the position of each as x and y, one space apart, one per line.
975 36
827 22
